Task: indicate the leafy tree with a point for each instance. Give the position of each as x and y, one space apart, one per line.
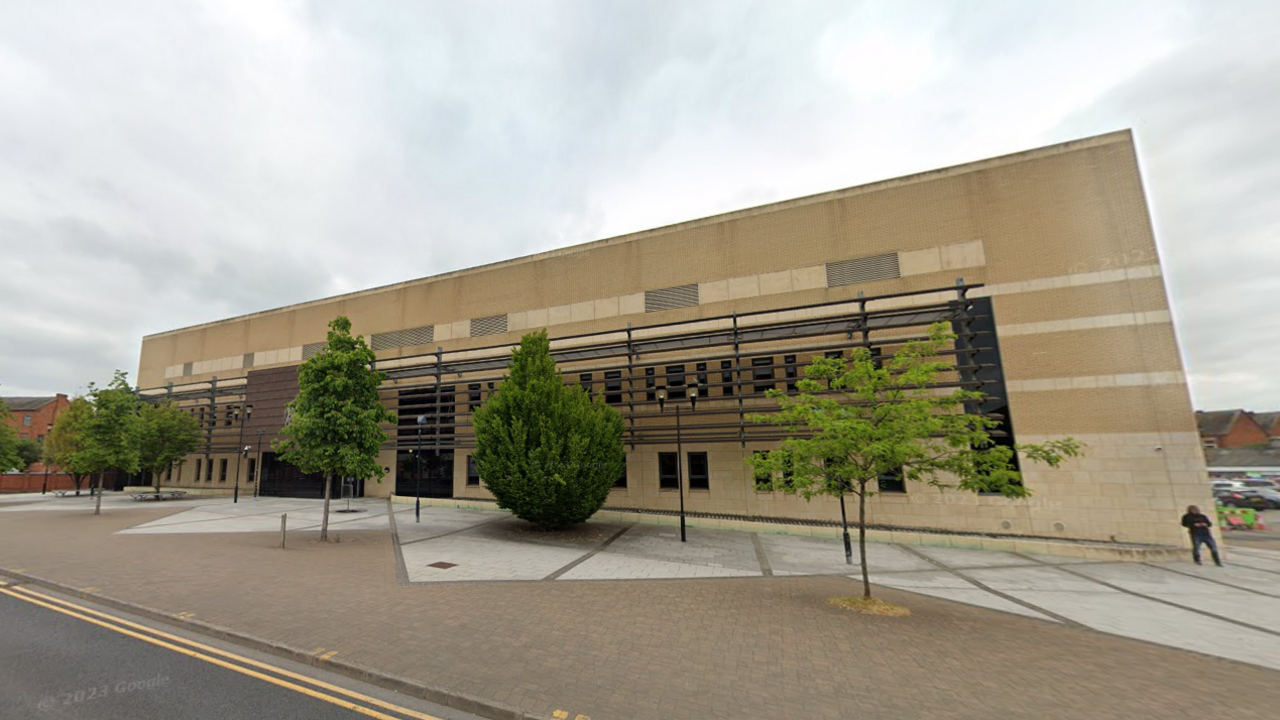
335 425
110 431
164 435
853 423
63 448
10 458
28 452
545 450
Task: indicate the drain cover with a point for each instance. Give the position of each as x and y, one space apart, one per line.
443 565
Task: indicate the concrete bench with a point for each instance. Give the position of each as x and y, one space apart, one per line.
162 495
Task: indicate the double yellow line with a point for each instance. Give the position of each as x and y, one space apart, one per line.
317 689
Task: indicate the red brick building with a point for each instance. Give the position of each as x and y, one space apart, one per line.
1231 429
33 417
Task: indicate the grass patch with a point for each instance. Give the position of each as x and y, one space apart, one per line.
870 606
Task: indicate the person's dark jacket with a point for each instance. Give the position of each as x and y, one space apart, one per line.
1197 523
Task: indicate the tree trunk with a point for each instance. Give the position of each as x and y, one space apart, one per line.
97 505
156 477
78 480
324 520
862 540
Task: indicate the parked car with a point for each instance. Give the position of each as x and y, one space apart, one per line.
1265 488
1243 498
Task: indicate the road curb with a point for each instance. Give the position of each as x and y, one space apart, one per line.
455 700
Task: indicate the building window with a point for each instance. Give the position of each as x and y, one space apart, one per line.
197 471
726 377
761 476
253 469
650 384
668 471
222 470
621 482
892 482
473 473
26 420
473 395
702 378
699 472
834 354
584 380
761 370
790 371
1210 442
675 382
613 387
208 471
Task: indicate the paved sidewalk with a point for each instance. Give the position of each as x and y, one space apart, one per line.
740 647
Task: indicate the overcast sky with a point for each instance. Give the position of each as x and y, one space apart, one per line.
168 163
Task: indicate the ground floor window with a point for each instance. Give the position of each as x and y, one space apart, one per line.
699 472
208 471
253 469
892 482
473 473
222 470
668 471
621 482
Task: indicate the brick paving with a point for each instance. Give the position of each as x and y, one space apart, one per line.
705 648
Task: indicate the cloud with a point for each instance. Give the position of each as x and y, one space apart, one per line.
162 166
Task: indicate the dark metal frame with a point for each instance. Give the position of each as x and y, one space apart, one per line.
808 331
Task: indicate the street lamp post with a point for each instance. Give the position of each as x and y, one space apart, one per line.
244 450
258 479
417 482
48 431
693 405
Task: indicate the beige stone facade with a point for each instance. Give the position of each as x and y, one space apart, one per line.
1059 239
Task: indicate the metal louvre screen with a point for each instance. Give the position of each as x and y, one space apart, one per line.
310 351
488 325
852 272
403 338
248 361
670 298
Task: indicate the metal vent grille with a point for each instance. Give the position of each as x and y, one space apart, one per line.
670 298
248 361
188 368
403 338
488 325
310 351
852 272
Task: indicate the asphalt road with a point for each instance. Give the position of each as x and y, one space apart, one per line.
55 666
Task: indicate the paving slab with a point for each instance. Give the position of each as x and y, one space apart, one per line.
795 555
1211 597
965 558
715 549
945 585
615 566
479 558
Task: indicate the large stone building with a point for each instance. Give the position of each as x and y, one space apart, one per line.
1044 262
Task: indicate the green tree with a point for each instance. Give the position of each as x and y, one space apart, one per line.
10 458
110 433
28 452
335 425
857 421
165 434
63 448
545 450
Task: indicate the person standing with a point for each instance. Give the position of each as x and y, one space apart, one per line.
1201 529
